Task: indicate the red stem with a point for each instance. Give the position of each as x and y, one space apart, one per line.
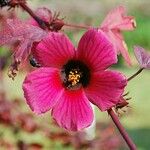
44 25
77 26
121 129
41 23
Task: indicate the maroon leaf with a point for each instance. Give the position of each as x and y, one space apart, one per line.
27 34
17 30
142 56
5 14
5 110
22 145
27 122
35 146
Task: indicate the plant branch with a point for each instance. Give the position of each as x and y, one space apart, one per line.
41 23
45 25
135 74
77 26
122 130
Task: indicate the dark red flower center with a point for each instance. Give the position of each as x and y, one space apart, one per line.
75 73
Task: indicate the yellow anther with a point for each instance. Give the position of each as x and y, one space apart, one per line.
74 77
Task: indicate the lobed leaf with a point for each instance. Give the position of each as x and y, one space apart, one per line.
23 33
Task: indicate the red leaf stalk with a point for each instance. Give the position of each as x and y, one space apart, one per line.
77 26
135 74
44 25
121 129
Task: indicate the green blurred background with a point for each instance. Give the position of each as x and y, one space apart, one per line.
92 12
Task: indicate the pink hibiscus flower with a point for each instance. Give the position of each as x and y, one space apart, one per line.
115 22
70 79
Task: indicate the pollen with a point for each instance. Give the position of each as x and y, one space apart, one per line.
74 77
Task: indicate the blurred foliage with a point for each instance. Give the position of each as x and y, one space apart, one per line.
20 129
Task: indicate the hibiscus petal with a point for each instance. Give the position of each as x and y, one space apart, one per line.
142 56
54 50
106 88
117 19
73 111
96 50
42 89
